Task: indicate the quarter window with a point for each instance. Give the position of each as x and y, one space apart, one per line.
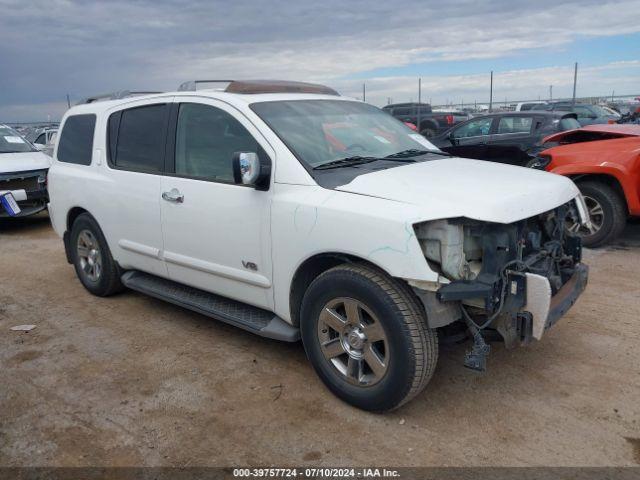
76 139
137 138
515 125
206 139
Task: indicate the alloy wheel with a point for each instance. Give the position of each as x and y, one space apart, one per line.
596 214
353 341
89 256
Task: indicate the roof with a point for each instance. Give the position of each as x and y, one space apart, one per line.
528 113
235 99
406 104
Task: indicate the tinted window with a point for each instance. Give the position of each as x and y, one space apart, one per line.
515 124
402 111
568 124
206 139
474 128
41 140
76 139
583 112
139 138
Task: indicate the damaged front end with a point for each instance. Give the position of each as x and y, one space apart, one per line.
513 279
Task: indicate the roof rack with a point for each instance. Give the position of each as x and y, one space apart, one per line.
115 96
261 86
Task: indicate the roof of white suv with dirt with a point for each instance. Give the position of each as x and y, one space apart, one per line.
234 92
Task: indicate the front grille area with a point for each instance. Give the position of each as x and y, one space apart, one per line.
27 181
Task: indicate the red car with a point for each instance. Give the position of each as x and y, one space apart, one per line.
604 162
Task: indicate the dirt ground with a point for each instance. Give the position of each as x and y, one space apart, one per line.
130 380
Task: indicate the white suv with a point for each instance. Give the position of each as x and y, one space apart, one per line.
290 211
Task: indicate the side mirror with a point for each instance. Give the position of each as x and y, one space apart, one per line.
250 169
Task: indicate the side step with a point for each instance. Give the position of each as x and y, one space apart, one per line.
250 318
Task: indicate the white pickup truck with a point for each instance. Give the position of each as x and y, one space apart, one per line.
290 211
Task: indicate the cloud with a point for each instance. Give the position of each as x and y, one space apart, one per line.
50 48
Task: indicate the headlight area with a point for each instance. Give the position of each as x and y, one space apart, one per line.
500 279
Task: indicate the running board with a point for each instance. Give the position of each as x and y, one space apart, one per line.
250 318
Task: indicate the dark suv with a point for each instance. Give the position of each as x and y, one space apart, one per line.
427 122
587 114
506 137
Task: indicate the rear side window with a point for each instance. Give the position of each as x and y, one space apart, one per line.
137 138
515 125
76 139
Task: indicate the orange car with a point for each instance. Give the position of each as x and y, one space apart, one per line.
604 162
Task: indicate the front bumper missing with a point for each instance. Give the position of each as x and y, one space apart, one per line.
545 309
530 308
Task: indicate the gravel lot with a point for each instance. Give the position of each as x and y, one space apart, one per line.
130 380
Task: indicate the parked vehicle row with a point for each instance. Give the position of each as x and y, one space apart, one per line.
510 137
428 122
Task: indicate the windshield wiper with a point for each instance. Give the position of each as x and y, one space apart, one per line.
413 152
346 162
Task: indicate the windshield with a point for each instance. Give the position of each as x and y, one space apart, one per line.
601 112
12 142
323 131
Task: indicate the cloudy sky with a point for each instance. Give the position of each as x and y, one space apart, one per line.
54 47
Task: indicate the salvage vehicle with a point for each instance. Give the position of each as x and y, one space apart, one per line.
506 137
604 162
428 121
293 212
23 172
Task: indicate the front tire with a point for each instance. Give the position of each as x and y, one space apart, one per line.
429 132
95 267
367 338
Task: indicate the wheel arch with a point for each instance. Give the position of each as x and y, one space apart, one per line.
310 269
72 214
605 178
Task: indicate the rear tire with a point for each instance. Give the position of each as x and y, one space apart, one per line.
608 211
367 337
95 267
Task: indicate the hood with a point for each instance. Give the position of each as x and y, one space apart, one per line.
596 132
22 162
458 187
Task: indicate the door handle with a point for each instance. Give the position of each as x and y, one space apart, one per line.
173 196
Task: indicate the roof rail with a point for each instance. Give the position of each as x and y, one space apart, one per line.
115 96
262 86
192 85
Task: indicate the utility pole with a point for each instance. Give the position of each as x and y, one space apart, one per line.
491 93
68 101
364 92
550 93
575 81
419 102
